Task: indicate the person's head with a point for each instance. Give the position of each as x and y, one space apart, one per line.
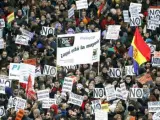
158 81
117 117
4 54
26 112
98 80
81 24
56 84
16 59
43 18
48 116
156 91
118 44
145 87
91 86
19 12
83 13
148 65
128 79
36 113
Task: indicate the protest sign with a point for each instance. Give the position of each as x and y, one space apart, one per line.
49 70
75 99
73 67
20 104
71 12
126 16
145 78
2 88
135 8
136 93
2 23
101 115
75 46
135 21
129 70
81 4
38 71
154 106
10 103
113 32
58 99
14 101
96 104
152 47
1 43
14 71
46 103
121 94
26 33
156 116
99 93
30 61
25 71
67 84
47 30
105 107
22 40
1 32
115 72
43 94
156 59
110 92
2 111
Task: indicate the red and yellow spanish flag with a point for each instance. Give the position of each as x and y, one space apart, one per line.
139 51
10 17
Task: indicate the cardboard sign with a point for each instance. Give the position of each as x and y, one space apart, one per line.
71 12
2 111
2 23
67 84
145 78
101 115
135 21
96 104
110 92
22 40
1 43
81 4
75 99
129 70
99 93
43 94
20 104
14 71
136 93
115 72
30 61
154 106
50 70
47 103
47 30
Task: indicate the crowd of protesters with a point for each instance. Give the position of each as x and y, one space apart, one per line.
31 15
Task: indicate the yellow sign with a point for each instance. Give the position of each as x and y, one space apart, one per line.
105 107
10 17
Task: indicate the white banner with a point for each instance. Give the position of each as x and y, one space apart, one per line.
115 72
20 104
96 105
75 99
136 93
73 47
50 70
2 111
1 43
113 32
110 92
22 40
99 93
67 84
71 12
129 70
135 21
14 71
101 115
43 94
47 30
2 23
82 4
46 103
154 106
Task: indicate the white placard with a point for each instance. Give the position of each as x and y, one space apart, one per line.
115 72
129 70
101 115
10 103
126 16
50 70
14 71
26 33
20 104
135 21
82 4
136 93
71 12
43 94
1 32
67 84
2 111
96 105
47 30
110 92
156 59
47 103
75 99
152 48
113 32
22 40
1 43
38 71
2 88
2 23
154 106
73 47
156 116
99 93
